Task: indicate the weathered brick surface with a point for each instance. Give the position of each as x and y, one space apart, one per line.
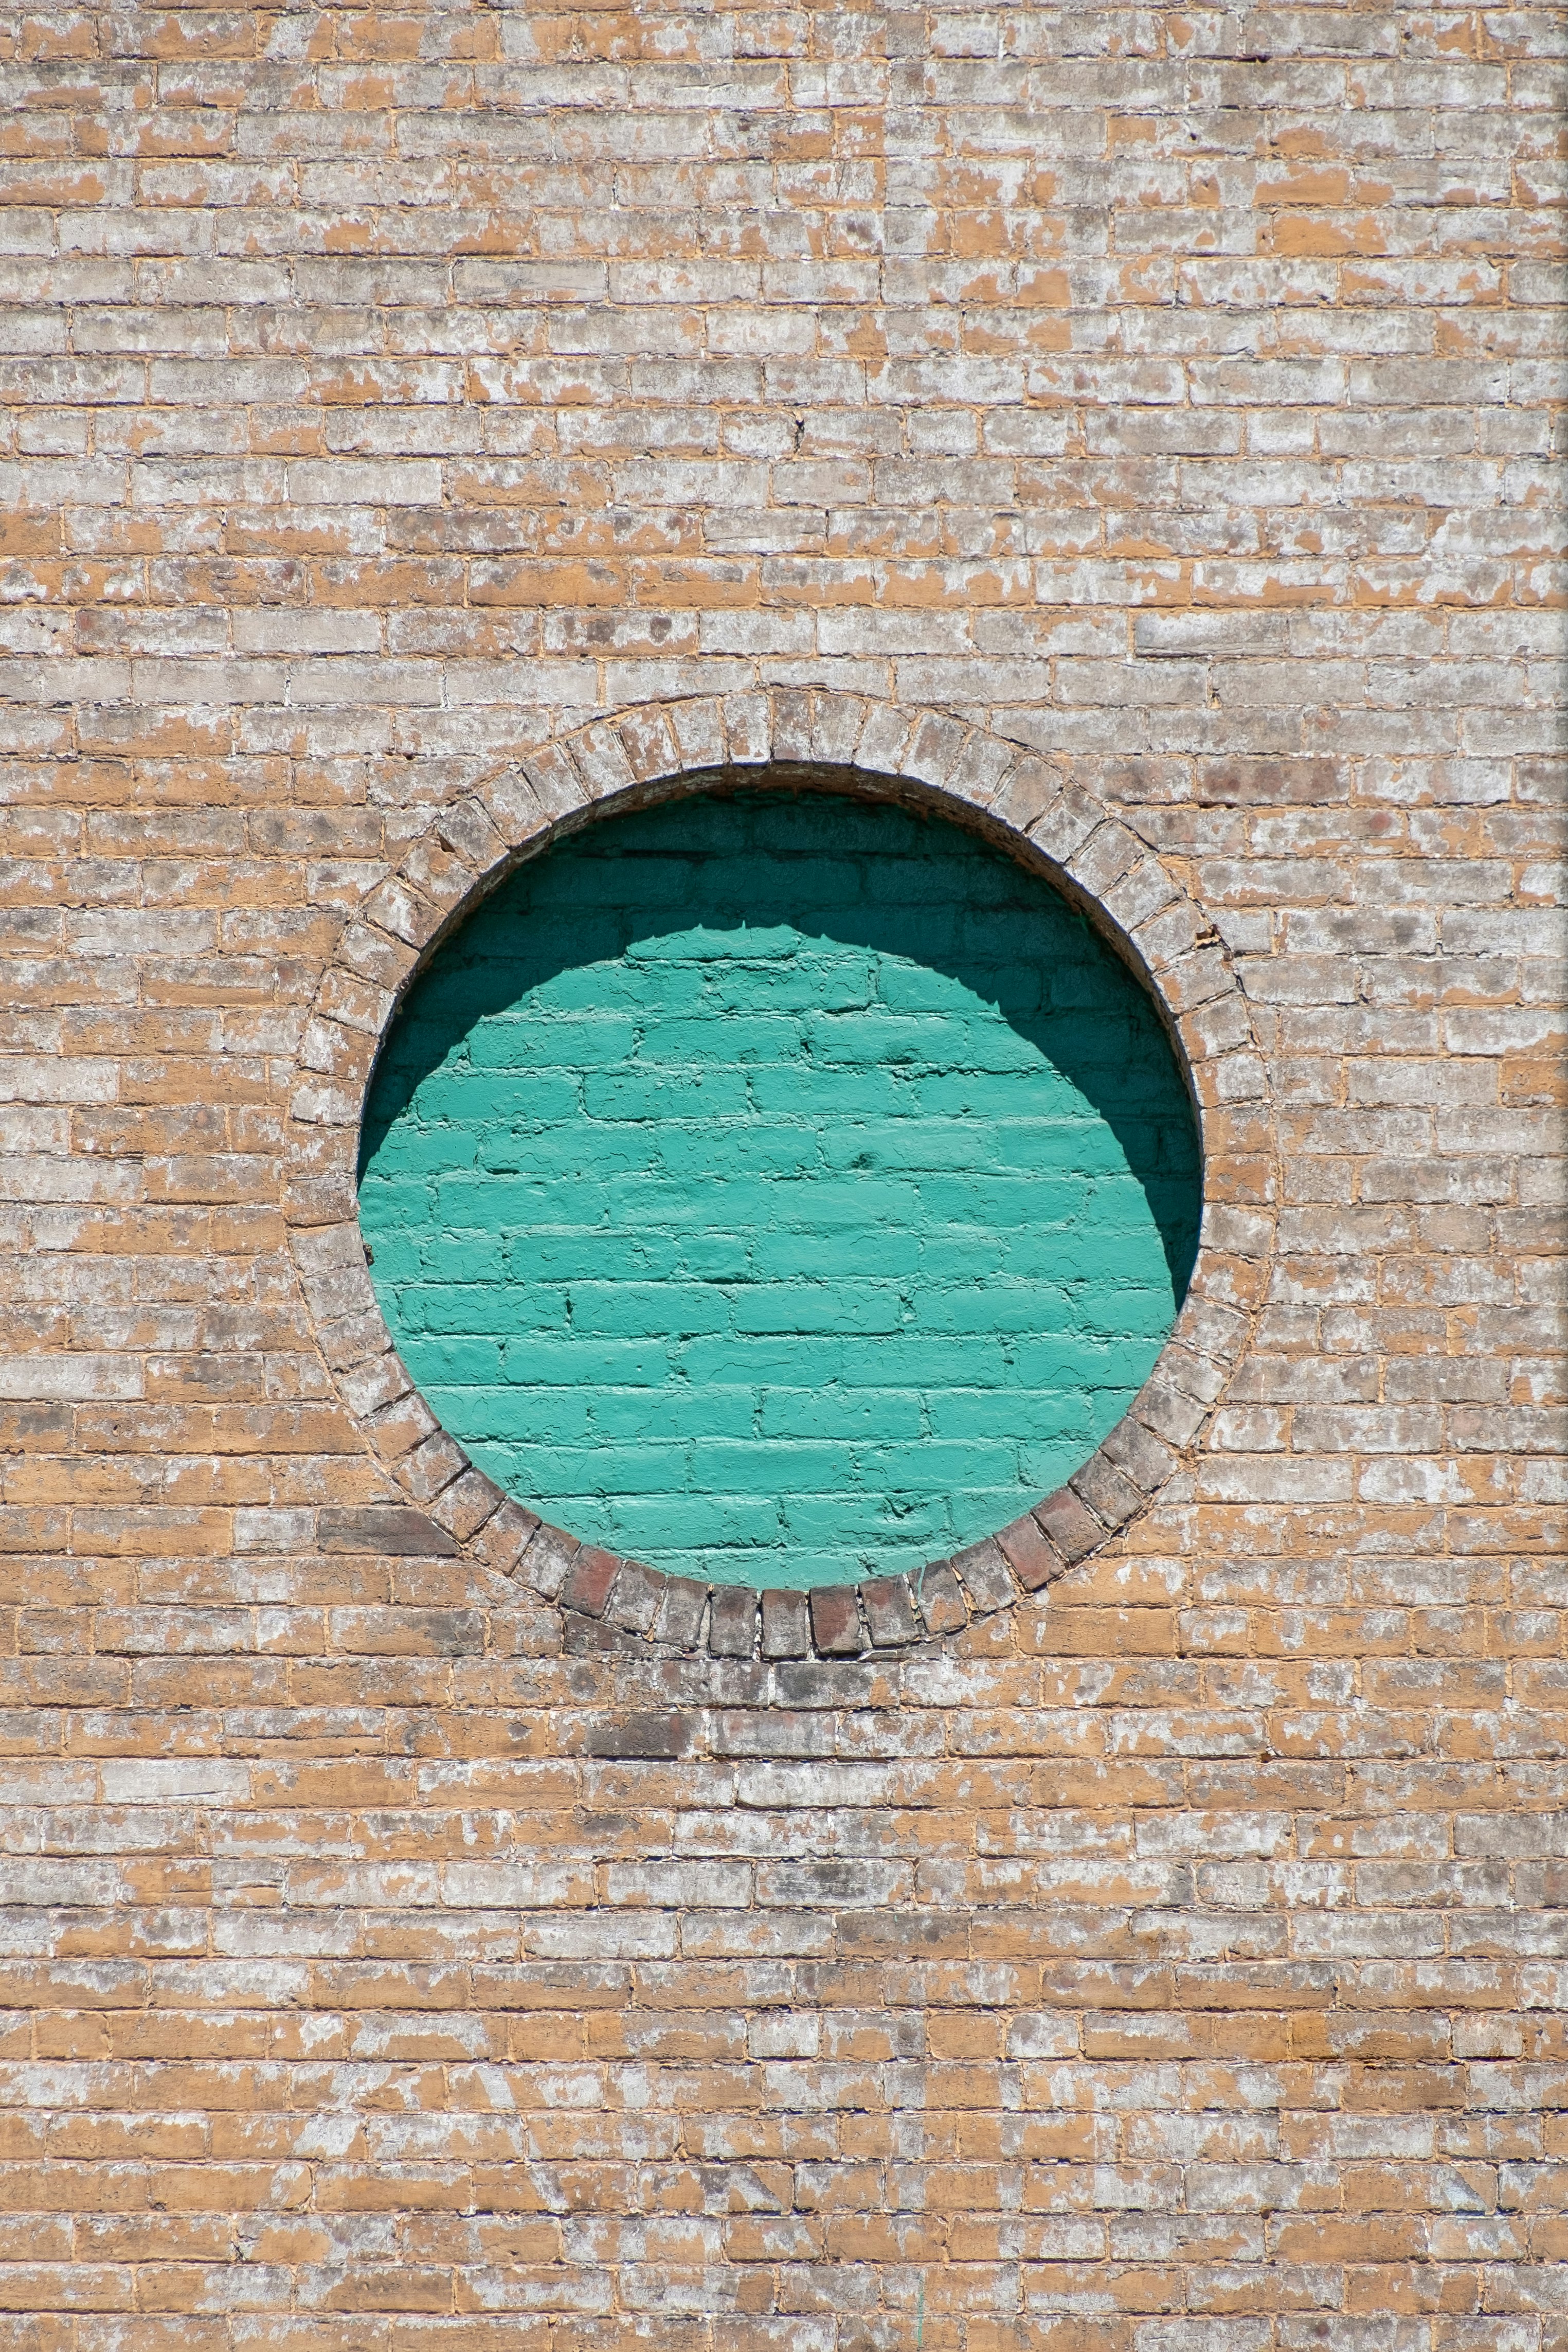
391 1957
825 1258
969 774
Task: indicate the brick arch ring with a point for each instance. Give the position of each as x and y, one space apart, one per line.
1028 806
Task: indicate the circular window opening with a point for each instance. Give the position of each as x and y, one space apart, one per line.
778 1188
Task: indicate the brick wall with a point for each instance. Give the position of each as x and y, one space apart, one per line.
777 1190
392 1959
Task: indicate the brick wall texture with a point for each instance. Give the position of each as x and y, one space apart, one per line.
1174 1960
772 1251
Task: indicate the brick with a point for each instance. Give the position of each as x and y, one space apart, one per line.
463 1507
635 1601
786 1625
1030 1553
1108 1492
1071 1528
890 1612
939 1599
732 1623
986 1575
835 1621
501 1542
681 1606
590 1581
548 1561
382 1528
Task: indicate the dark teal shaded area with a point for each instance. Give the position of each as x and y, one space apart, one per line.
778 1188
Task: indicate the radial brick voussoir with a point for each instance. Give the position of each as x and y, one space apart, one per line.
1030 803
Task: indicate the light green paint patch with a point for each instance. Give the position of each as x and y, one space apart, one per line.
779 1190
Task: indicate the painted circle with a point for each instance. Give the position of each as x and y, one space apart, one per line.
780 1190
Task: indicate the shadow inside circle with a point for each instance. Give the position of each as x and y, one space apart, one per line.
735 866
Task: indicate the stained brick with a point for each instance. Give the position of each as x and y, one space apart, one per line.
381 1528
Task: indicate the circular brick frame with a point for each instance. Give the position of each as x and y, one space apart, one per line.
1025 803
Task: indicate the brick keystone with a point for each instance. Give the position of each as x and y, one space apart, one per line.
699 732
601 762
1030 1553
749 727
732 1628
984 1573
792 724
836 723
786 1625
1073 1529
647 742
392 1528
883 741
590 1581
836 1621
934 751
890 1612
941 1598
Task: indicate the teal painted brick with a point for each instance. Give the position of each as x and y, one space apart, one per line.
829 1308
759 1360
532 1047
847 1535
905 1363
401 1257
713 1412
845 1415
651 1089
541 1416
459 1257
566 1359
465 1363
780 1190
799 1253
